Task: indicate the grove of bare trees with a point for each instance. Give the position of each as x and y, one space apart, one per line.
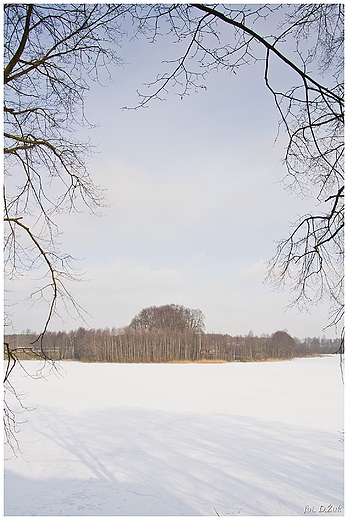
129 345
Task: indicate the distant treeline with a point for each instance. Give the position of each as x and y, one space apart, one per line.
131 345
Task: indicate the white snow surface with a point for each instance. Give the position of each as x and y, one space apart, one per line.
180 440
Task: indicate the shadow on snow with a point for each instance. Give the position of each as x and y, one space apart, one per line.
136 462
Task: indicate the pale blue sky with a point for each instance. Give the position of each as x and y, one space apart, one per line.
195 205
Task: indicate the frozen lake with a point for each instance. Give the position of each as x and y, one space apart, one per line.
180 439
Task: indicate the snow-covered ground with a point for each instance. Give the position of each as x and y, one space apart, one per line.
180 439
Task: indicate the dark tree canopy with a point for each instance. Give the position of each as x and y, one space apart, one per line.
169 317
283 339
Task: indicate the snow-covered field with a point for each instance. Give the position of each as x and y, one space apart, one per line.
180 439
